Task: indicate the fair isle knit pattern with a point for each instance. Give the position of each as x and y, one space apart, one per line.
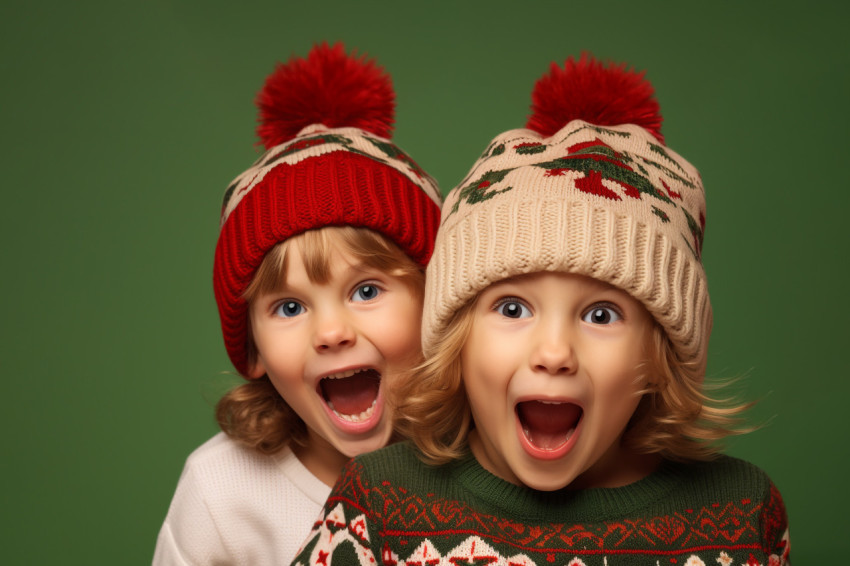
389 508
611 203
317 140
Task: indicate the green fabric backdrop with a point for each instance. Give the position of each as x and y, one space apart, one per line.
122 123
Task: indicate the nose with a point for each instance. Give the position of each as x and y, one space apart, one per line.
333 332
553 351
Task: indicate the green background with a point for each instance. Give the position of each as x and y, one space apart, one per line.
122 123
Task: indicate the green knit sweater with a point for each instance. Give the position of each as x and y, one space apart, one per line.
389 508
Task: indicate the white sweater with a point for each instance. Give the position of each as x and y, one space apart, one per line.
236 506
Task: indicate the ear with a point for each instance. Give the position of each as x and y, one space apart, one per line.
256 370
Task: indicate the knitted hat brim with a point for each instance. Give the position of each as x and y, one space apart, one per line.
265 217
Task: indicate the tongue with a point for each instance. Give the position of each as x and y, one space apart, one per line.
548 425
352 395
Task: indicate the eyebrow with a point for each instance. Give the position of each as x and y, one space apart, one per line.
358 266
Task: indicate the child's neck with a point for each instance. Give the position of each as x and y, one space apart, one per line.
630 467
321 459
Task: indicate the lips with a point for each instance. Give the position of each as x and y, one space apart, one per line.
352 395
548 426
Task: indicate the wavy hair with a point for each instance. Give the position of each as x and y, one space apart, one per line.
675 418
254 413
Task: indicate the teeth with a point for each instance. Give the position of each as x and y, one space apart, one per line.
365 415
344 374
550 402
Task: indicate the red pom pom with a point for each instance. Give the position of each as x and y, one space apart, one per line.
588 90
327 88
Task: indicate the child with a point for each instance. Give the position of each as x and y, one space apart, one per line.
560 414
318 276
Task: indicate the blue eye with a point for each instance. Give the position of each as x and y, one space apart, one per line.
601 315
366 293
512 308
288 309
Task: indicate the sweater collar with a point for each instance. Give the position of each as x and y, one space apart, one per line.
586 504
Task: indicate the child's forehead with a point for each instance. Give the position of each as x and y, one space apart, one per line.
332 252
320 266
526 279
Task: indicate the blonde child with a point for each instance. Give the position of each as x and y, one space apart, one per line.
318 276
560 416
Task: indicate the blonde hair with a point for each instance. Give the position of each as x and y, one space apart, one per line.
254 413
675 417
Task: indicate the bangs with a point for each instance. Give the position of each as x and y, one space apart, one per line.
317 247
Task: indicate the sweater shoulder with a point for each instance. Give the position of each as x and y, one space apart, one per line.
223 465
222 448
726 474
234 505
722 483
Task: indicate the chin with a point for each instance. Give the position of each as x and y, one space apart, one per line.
544 483
377 439
544 475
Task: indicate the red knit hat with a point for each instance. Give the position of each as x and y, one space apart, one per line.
325 122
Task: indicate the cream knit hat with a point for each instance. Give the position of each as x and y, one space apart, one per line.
600 196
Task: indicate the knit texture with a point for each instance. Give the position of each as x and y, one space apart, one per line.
323 177
389 508
611 203
236 506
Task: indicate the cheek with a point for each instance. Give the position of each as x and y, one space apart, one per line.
483 368
404 344
263 339
400 333
281 350
620 402
618 393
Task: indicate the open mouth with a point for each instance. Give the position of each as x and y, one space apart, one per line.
548 426
352 395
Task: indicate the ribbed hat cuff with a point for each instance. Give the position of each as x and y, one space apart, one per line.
329 190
